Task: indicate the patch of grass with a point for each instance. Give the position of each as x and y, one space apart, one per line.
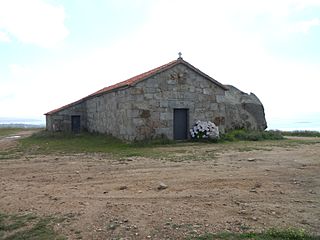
272 234
47 142
26 227
13 222
155 142
9 131
245 135
304 133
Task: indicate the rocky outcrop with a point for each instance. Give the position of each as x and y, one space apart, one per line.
243 110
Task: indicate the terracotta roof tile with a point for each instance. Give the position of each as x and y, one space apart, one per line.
134 79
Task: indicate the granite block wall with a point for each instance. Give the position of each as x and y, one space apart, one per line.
145 110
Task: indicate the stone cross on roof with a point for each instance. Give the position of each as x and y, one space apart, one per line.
180 54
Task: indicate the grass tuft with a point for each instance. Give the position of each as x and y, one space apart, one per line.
26 227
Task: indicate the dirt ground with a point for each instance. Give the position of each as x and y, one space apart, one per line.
104 198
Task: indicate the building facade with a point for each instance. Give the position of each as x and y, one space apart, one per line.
163 102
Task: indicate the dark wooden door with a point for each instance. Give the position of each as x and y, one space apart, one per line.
180 124
75 124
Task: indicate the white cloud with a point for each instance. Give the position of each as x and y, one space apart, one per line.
4 37
305 26
33 21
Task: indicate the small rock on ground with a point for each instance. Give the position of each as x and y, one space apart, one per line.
162 186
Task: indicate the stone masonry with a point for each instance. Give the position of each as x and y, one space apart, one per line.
144 108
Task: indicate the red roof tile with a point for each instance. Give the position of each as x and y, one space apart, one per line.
136 79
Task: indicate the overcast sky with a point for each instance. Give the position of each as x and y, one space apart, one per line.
53 52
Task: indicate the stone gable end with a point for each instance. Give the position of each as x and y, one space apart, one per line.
145 110
177 88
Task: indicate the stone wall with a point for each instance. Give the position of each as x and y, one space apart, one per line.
61 121
145 110
110 113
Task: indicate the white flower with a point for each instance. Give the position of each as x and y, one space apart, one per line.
209 130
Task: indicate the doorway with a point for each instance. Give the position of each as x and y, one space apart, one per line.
180 124
75 124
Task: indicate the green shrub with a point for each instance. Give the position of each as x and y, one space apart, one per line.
272 135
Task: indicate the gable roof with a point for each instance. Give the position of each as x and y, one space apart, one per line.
134 80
